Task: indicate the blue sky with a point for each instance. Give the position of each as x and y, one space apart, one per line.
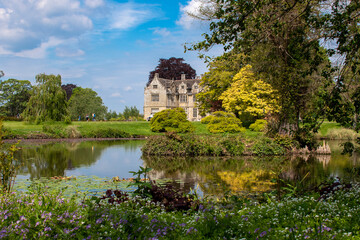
107 45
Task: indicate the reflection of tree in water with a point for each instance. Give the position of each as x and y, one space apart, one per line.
52 159
215 176
309 170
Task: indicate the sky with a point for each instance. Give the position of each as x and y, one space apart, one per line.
106 45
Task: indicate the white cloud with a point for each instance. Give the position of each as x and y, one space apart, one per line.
94 3
29 27
130 15
161 31
116 94
193 7
41 51
128 88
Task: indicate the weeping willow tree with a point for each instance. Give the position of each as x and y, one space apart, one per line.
47 101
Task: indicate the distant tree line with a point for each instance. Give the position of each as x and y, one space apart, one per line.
48 100
129 114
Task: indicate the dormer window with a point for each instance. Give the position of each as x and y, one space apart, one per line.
182 87
155 86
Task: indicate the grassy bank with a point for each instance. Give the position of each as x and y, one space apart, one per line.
83 129
328 130
43 212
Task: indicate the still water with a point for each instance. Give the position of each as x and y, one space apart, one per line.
208 175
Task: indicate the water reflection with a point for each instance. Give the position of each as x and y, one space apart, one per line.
100 158
212 176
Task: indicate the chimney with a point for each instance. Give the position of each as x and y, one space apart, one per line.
156 75
183 76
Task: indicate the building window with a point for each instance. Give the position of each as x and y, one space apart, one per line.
182 87
154 97
183 98
195 113
194 98
154 110
154 86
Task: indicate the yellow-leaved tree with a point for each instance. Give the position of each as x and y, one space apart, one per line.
250 97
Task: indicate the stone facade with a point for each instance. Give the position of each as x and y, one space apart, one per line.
161 94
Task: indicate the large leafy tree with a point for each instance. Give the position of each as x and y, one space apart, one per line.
282 40
47 101
219 78
249 97
172 68
85 101
14 96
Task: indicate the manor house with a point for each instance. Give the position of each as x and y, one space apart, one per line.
161 94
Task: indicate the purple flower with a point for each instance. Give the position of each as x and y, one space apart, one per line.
99 221
263 234
88 226
256 230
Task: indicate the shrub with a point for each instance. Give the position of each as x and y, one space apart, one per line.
72 132
192 145
259 125
8 165
221 122
55 130
266 146
67 120
171 120
108 133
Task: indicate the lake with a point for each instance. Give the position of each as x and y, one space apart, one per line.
208 175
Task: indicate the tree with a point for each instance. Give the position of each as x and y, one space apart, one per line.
14 96
85 101
248 97
68 88
47 101
219 78
1 73
131 112
172 68
281 40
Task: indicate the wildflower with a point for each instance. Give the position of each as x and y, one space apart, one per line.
262 234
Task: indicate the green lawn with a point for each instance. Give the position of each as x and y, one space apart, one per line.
141 128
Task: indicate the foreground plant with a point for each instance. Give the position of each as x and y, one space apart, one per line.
8 165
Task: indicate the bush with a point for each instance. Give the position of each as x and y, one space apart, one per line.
258 126
55 130
192 145
223 122
67 120
108 133
266 146
171 120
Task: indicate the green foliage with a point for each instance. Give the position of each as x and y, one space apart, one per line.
219 78
67 120
8 165
131 113
223 122
259 125
192 145
142 186
84 102
107 132
248 95
171 120
14 95
266 146
47 101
